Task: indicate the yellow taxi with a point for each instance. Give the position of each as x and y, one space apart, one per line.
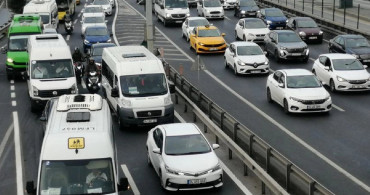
78 2
207 39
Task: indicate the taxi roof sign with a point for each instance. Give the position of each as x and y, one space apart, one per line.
76 143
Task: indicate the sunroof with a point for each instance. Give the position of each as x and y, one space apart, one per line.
78 116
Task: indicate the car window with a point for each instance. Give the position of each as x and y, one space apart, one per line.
303 81
306 24
338 40
322 59
157 138
199 22
356 42
241 23
277 76
288 37
252 24
282 79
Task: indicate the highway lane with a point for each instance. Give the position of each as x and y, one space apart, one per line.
339 135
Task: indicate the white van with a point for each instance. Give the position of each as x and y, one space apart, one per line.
78 143
135 85
47 9
171 11
50 71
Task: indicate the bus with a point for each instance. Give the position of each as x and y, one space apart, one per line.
21 27
65 5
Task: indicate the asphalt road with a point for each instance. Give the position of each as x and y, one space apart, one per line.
130 144
332 148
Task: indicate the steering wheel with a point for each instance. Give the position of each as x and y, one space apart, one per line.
98 182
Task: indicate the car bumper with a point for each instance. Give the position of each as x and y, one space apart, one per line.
175 20
313 38
209 15
345 86
206 49
128 117
179 183
11 68
256 39
291 55
247 69
248 14
274 26
298 107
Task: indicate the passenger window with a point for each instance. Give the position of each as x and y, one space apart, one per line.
327 63
341 41
241 23
276 76
282 79
322 59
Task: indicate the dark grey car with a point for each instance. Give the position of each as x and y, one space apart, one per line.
286 44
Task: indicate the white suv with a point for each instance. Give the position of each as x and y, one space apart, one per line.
210 9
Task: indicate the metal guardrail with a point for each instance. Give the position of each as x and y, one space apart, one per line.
241 141
331 26
4 27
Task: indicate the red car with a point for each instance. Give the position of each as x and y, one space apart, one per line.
306 28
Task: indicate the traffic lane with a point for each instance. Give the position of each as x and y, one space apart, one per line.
8 183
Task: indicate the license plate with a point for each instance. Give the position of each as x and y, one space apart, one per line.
212 49
312 37
196 181
366 60
313 107
255 71
150 121
251 14
179 21
279 27
296 54
358 86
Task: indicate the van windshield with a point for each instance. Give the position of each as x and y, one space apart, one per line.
47 69
177 4
93 176
18 43
45 18
143 85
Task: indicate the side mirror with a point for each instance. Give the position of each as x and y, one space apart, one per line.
82 21
123 184
172 87
30 188
281 85
215 146
25 76
114 92
223 34
273 40
3 50
83 36
365 66
326 68
157 151
265 52
53 21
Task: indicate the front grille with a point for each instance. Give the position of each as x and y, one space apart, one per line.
255 64
189 186
279 23
149 113
215 12
295 50
214 45
319 109
260 35
178 15
19 63
310 102
357 81
53 93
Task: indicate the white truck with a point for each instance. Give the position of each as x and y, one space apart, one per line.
171 11
47 9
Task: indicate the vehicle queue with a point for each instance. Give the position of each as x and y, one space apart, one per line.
296 90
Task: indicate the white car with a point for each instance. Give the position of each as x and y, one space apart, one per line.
246 58
106 5
251 29
91 9
94 19
341 72
297 90
210 9
183 158
190 23
229 4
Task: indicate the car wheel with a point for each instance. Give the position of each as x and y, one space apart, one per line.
226 65
236 36
314 72
268 94
104 93
183 35
332 86
286 107
164 23
119 121
244 39
236 71
305 60
277 58
9 76
196 50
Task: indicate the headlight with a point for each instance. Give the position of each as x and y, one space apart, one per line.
268 22
340 79
307 52
86 41
187 15
243 12
199 43
241 63
302 33
296 99
97 64
126 103
286 21
35 91
266 62
320 33
109 40
283 48
168 15
168 170
167 100
74 89
217 167
354 55
10 60
258 11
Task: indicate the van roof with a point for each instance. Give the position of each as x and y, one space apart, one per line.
48 46
132 60
38 6
25 23
96 132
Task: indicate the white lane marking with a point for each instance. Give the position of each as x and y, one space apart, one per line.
83 84
74 22
131 182
18 154
224 167
114 24
5 139
326 40
12 94
227 18
12 88
11 81
14 103
311 59
338 108
67 38
176 59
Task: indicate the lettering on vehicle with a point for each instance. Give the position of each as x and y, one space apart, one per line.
78 129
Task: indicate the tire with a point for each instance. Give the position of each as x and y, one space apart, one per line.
314 72
104 93
9 76
244 39
286 107
332 86
236 71
119 121
236 36
305 60
183 35
196 50
226 65
277 58
164 23
268 95
160 178
330 50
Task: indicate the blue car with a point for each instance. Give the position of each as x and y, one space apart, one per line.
95 34
97 51
273 17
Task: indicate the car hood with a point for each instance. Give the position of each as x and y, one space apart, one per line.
191 163
353 74
18 56
276 19
293 45
358 50
249 8
309 30
253 59
308 93
100 39
211 40
257 31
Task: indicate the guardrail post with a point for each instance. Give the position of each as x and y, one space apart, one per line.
222 121
263 188
268 154
287 182
174 78
303 6
312 5
189 93
185 107
245 170
311 188
344 14
199 99
182 84
250 146
210 110
205 128
217 140
322 8
194 117
358 15
333 9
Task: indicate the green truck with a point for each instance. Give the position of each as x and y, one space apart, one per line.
21 27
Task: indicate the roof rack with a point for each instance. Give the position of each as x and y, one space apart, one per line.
92 102
133 55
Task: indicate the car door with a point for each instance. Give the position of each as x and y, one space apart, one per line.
273 83
239 29
233 55
229 54
338 45
193 38
280 92
158 143
327 74
184 27
199 7
320 68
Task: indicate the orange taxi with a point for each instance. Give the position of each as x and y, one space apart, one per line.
207 39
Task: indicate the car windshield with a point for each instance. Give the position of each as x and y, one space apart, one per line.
186 145
143 85
247 3
357 42
198 22
252 24
93 176
274 13
18 43
347 64
93 10
288 37
101 2
249 50
177 4
209 33
94 20
96 32
303 81
212 3
47 69
45 18
306 24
